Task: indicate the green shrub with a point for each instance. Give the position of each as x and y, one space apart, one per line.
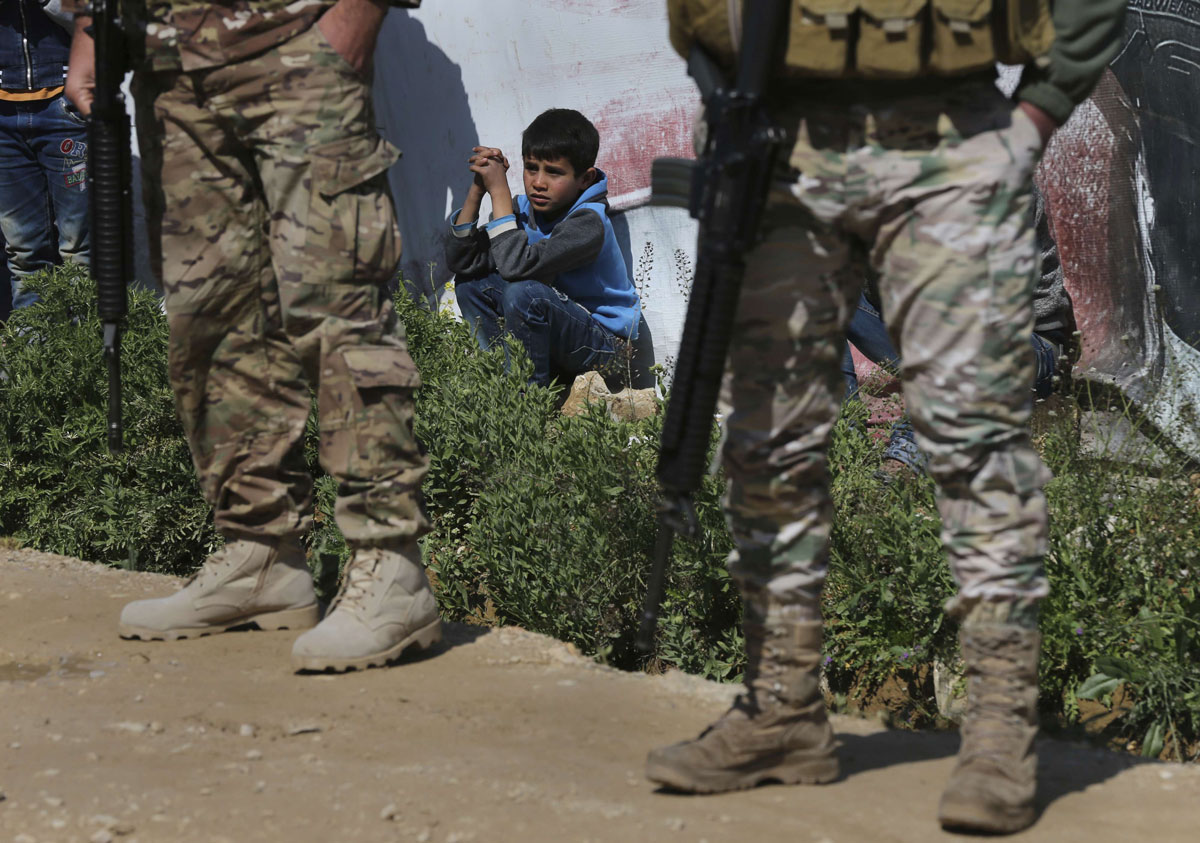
1124 608
548 522
1125 574
888 578
60 489
545 520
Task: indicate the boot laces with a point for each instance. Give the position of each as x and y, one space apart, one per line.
212 568
360 575
745 707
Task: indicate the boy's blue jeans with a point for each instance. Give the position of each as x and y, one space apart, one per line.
869 335
43 188
560 336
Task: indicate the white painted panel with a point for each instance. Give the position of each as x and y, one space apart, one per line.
662 245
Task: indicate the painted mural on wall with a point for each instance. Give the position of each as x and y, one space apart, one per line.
1122 187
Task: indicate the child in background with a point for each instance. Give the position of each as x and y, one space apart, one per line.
546 269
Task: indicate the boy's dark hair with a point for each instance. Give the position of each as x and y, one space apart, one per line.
562 133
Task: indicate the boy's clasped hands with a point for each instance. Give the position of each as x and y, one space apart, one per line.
490 167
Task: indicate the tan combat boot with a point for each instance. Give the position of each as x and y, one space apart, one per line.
776 730
385 606
993 784
248 581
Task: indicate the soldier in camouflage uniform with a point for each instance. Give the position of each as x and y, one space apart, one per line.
274 236
925 177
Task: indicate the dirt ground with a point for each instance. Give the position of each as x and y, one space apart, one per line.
499 735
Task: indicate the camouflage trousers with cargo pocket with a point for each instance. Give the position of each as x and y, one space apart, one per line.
273 233
933 192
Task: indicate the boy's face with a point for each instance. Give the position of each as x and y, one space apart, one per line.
552 185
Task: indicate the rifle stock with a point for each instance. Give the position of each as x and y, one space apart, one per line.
109 197
728 194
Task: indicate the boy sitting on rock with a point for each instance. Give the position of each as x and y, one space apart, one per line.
546 269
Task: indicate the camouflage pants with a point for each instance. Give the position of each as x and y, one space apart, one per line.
934 194
274 236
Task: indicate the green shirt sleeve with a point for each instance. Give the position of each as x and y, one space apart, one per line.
1087 36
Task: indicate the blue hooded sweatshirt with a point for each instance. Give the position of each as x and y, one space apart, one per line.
576 254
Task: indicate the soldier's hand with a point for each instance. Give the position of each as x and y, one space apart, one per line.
351 28
81 68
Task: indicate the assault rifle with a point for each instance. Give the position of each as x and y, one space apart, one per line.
109 192
726 190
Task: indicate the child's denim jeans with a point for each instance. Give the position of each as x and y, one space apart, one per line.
560 336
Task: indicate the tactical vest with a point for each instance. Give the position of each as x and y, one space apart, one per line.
880 38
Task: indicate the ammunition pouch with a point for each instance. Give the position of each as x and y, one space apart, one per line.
898 39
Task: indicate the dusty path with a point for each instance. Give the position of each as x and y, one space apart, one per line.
501 736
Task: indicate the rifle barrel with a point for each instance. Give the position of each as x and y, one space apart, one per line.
112 357
109 198
729 194
654 588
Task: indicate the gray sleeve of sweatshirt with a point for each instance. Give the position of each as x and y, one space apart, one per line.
577 241
468 254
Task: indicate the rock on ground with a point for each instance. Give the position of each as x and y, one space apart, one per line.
626 405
